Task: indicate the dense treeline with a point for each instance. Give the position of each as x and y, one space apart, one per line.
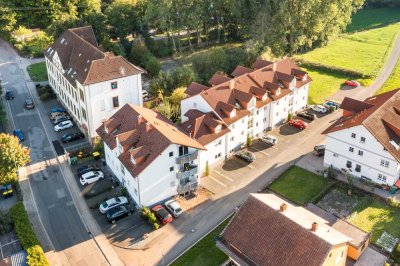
286 26
383 3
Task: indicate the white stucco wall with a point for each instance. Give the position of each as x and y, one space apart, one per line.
195 102
215 152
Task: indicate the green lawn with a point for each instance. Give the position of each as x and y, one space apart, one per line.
205 252
299 185
365 52
374 216
393 82
370 18
37 71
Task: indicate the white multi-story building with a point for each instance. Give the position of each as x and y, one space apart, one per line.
248 104
91 84
149 155
365 141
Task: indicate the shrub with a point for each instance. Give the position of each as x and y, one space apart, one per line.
144 212
393 202
30 43
152 66
36 256
207 171
182 76
177 95
160 48
6 223
22 226
289 116
45 96
249 141
139 55
152 218
156 226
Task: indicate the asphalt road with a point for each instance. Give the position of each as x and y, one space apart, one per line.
64 228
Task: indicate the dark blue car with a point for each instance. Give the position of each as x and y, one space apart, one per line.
18 134
9 95
57 109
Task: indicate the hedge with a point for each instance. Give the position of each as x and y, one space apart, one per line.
26 236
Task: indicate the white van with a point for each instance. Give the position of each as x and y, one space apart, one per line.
319 108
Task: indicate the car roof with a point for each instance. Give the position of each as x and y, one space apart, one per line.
88 174
173 204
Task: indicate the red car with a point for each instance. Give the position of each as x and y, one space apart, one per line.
162 214
352 83
298 123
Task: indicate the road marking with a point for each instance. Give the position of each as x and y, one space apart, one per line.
12 118
60 193
275 148
263 152
224 176
217 181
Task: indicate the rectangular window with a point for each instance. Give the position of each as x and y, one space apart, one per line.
84 114
115 101
114 85
82 96
183 150
362 140
381 177
171 169
171 153
353 135
351 149
232 138
358 168
348 164
387 164
361 153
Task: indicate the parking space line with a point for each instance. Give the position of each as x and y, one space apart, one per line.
275 148
224 176
263 152
217 181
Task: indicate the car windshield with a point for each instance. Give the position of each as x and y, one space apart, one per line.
105 205
163 213
178 210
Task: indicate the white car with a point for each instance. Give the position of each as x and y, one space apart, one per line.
111 203
91 177
63 125
269 139
174 208
319 108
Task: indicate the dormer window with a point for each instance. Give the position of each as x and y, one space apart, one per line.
218 129
278 91
233 113
133 160
264 97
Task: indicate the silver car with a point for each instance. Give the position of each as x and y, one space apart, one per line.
111 203
174 208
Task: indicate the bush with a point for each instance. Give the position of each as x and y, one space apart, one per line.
151 218
144 212
393 202
156 226
30 43
160 48
45 96
22 226
249 141
139 55
152 66
289 116
6 223
36 256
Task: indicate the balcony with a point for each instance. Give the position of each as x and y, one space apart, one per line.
187 158
182 189
187 173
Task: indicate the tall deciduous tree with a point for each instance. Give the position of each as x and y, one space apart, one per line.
12 156
7 20
86 7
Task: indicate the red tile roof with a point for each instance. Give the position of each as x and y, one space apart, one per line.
261 235
144 134
195 88
259 63
84 61
241 70
203 126
378 115
217 79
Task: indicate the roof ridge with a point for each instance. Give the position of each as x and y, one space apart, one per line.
88 42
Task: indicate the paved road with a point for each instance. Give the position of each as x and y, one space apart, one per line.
65 235
183 233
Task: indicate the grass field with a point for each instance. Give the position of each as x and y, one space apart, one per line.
37 71
365 52
299 185
393 82
205 252
376 217
370 18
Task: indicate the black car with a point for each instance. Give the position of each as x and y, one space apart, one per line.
71 137
118 212
86 169
307 115
29 104
9 95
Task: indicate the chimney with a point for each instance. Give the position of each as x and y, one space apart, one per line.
148 127
140 119
283 207
274 65
232 84
314 227
104 124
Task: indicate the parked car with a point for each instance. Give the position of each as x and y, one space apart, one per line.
91 177
88 168
319 108
319 150
352 83
332 103
9 95
71 137
60 119
269 139
298 123
162 215
112 203
174 208
57 109
18 133
63 125
58 114
117 213
307 115
29 104
246 156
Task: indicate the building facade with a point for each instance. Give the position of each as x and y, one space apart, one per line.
149 155
364 142
91 84
250 102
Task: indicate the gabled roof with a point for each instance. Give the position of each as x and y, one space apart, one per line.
378 114
259 63
82 59
195 88
241 70
143 134
261 234
217 79
203 126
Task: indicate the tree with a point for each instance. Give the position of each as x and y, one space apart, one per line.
86 7
249 141
7 21
12 156
152 66
169 110
177 96
182 76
